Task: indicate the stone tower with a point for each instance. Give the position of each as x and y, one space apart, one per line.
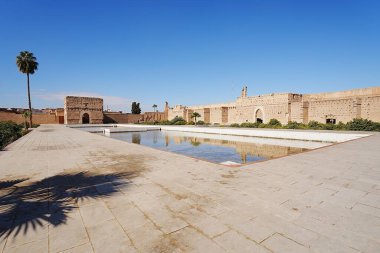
166 111
244 92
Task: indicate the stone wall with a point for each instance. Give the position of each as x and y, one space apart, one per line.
154 116
201 112
370 108
76 108
206 115
119 117
271 106
216 115
344 106
342 110
177 111
45 118
296 112
123 118
340 106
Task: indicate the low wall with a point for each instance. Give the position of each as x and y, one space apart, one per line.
37 118
50 118
125 118
154 116
306 135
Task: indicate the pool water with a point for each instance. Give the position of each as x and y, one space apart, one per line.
210 147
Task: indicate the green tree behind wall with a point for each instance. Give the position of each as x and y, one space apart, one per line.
136 108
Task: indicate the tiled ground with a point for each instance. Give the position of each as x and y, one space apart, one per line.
64 190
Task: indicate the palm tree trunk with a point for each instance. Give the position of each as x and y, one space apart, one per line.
30 103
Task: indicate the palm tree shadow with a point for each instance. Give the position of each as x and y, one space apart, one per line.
10 183
50 200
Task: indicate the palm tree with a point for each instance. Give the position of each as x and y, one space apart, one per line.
154 107
195 115
27 64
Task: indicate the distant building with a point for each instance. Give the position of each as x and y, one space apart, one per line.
329 107
83 110
89 110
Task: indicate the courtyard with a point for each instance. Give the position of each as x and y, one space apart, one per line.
65 190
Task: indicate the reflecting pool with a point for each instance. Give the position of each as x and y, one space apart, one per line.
225 149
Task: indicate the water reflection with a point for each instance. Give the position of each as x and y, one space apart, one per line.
210 148
136 138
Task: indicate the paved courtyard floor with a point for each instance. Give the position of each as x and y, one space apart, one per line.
64 190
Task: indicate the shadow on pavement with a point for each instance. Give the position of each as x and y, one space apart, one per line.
49 201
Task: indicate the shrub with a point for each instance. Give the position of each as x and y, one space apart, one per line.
294 125
354 125
314 125
9 132
340 126
249 124
190 123
178 119
328 126
195 143
363 125
274 123
164 122
180 123
262 125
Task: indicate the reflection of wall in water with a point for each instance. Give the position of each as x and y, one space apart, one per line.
265 151
136 138
245 148
179 139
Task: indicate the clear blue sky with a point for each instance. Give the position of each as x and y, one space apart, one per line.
188 52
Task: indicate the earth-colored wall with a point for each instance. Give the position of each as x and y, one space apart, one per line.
370 108
344 106
296 109
201 112
110 117
154 116
216 115
341 106
342 110
37 118
177 111
117 117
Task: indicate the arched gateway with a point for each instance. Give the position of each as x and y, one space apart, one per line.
259 116
85 118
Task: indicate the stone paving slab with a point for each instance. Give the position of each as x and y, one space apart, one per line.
65 190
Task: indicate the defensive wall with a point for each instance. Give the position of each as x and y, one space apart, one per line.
330 107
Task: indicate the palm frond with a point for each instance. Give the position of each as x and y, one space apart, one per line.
26 62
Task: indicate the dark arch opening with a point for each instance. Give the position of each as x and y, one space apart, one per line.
85 118
259 116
